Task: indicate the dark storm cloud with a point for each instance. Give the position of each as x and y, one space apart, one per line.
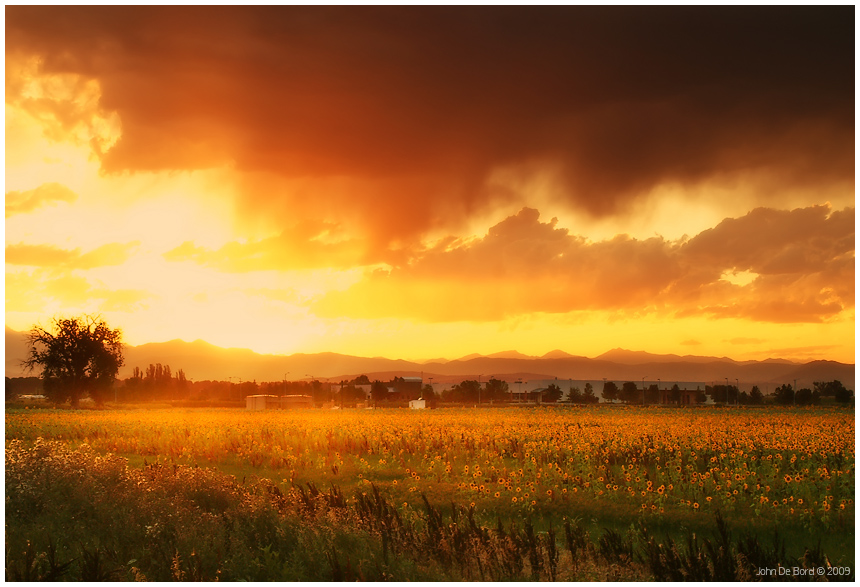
419 104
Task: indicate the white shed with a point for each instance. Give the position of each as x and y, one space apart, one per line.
259 402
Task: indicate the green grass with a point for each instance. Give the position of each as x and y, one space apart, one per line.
262 531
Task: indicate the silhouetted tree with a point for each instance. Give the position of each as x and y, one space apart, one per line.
495 390
652 396
465 391
718 393
806 397
574 395
756 396
833 389
784 394
18 386
181 381
631 393
588 396
552 394
378 391
675 394
843 395
348 394
610 391
78 356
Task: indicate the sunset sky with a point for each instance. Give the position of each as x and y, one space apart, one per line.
427 182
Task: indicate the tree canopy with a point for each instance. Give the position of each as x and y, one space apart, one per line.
552 394
79 357
610 391
378 391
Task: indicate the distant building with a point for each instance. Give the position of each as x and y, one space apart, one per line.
274 402
364 388
686 397
404 388
417 404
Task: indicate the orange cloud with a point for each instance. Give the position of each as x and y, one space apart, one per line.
65 103
305 246
523 265
53 257
18 202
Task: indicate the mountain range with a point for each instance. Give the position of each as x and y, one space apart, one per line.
201 360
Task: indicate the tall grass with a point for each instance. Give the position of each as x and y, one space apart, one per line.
78 515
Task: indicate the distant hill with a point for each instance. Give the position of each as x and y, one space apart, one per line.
509 355
557 354
201 360
626 357
468 357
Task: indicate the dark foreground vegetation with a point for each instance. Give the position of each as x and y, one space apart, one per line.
72 514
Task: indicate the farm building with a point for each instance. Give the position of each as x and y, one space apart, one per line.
686 397
274 402
365 388
404 388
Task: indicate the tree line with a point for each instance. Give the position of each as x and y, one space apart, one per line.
80 357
